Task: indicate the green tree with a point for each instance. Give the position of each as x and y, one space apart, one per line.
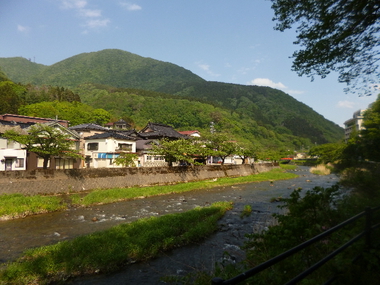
245 151
126 159
74 112
328 153
220 145
3 76
370 135
178 150
10 94
335 35
46 141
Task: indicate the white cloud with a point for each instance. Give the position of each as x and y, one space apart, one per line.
346 104
294 92
73 4
97 23
93 17
90 13
267 82
22 29
130 6
206 68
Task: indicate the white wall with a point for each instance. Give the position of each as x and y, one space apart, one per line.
12 159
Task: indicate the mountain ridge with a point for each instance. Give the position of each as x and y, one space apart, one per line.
270 108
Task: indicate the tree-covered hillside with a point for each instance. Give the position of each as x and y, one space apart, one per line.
253 107
267 106
110 67
19 69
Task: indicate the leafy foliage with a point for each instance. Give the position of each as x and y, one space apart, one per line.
370 135
179 150
328 153
334 35
10 97
126 159
308 214
75 112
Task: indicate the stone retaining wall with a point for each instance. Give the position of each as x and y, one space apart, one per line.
77 180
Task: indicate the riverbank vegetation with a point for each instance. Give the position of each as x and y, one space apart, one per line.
17 205
357 161
109 250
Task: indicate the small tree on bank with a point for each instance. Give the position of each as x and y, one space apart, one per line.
45 141
126 159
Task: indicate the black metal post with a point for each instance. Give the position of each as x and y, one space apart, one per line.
368 225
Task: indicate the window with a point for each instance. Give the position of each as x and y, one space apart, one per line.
125 146
149 157
40 162
92 146
158 158
20 162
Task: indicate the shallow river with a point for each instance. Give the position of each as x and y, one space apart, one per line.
21 234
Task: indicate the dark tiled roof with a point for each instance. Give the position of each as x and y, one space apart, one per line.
15 124
116 135
89 126
143 144
154 130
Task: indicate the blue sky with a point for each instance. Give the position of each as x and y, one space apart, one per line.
219 40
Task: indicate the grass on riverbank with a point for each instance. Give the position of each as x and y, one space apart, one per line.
17 205
109 250
118 194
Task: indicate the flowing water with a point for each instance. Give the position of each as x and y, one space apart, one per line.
19 235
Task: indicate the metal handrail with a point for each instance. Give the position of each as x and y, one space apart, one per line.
290 252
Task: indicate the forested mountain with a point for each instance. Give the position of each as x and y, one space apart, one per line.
131 86
109 67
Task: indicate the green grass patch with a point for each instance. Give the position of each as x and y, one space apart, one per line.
117 194
288 166
18 205
109 250
246 211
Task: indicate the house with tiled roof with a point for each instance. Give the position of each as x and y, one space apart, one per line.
13 155
191 133
102 149
119 125
29 119
151 134
159 131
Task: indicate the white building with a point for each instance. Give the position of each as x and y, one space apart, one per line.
12 156
102 149
354 124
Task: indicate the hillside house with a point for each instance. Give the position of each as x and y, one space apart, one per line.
28 119
102 149
160 131
119 125
13 156
61 162
151 134
195 134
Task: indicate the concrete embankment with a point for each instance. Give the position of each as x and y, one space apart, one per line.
76 180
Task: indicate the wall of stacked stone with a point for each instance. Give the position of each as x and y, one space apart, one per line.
77 180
